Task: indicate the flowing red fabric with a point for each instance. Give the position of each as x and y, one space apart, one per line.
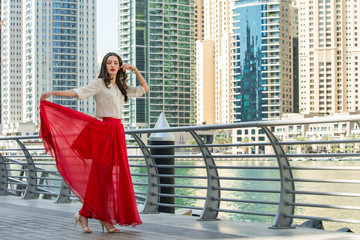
91 156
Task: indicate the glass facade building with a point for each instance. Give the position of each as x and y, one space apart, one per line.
157 36
61 42
64 48
262 60
247 62
53 45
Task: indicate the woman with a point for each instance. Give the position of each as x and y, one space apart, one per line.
91 154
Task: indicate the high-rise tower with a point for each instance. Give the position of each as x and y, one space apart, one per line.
329 54
11 54
262 60
204 70
47 45
0 69
158 38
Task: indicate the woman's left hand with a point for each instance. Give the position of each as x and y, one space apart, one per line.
128 66
46 95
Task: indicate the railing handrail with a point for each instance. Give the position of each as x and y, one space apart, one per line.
272 123
209 171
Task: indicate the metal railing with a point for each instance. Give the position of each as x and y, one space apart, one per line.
278 184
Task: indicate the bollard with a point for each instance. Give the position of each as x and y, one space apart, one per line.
165 138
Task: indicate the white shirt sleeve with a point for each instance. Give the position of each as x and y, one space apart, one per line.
89 90
135 91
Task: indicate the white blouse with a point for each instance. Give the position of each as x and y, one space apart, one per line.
109 101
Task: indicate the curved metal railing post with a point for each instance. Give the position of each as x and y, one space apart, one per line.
153 179
3 176
64 194
284 209
16 174
213 181
30 192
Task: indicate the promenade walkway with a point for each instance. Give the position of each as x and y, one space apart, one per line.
46 220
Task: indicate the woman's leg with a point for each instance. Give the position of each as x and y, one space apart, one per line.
84 224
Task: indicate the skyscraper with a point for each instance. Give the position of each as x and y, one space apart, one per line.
329 47
0 70
204 70
215 43
262 60
47 45
199 19
158 38
205 82
11 70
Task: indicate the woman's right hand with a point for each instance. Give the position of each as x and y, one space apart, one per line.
45 95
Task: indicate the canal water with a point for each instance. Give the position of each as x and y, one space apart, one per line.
272 185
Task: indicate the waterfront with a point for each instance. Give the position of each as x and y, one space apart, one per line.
272 185
45 220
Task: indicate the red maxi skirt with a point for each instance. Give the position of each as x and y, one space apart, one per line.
91 156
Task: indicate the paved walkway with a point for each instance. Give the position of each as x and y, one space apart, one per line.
45 220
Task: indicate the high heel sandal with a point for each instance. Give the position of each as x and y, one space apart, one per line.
84 229
111 230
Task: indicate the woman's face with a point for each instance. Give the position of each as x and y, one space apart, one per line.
112 65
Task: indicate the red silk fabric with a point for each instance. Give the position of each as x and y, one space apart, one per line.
91 156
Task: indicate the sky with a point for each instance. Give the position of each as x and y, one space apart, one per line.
106 27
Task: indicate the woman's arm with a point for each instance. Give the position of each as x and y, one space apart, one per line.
138 75
141 80
65 93
81 93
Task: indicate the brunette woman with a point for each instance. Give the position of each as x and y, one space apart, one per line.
90 152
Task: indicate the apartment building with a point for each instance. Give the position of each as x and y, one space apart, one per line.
329 54
158 37
263 60
46 45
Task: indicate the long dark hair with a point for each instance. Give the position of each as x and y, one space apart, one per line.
121 76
